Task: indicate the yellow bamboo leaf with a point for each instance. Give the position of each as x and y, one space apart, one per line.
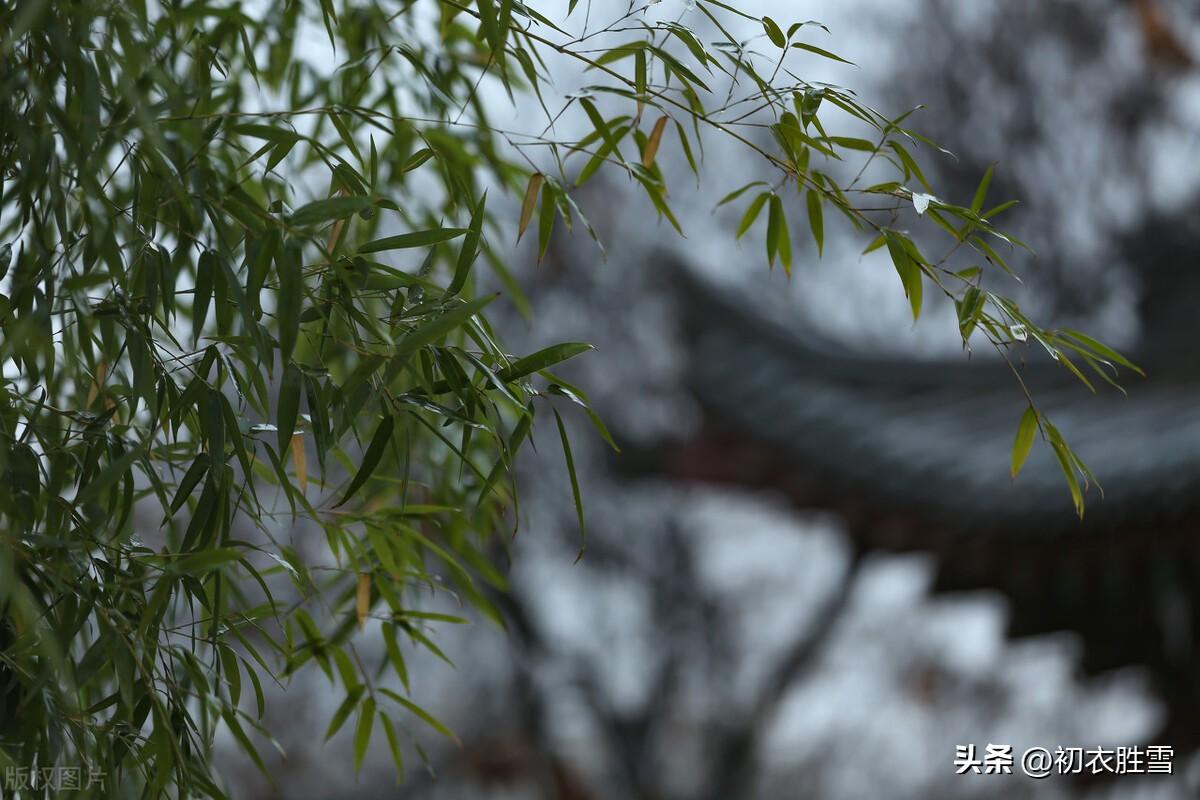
653 142
101 371
300 462
530 201
336 233
362 599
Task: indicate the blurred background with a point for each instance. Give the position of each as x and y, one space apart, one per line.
808 573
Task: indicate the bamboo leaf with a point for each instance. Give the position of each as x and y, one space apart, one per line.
192 477
529 203
424 715
469 250
291 297
415 239
546 220
752 212
205 561
815 220
575 493
1024 441
776 224
981 191
230 717
362 732
451 320
370 459
652 143
736 193
542 359
774 32
811 48
202 293
362 598
327 210
909 271
343 711
287 410
417 159
300 462
114 471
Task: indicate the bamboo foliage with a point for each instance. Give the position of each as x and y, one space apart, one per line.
239 325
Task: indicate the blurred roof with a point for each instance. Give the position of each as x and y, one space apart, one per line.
933 438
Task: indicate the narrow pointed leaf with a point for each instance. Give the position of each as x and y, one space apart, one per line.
529 203
1024 441
288 407
370 460
414 239
362 598
575 493
653 142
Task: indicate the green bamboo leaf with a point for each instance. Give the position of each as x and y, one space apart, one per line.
344 134
1101 349
910 165
394 746
202 294
784 245
981 191
362 733
395 657
575 494
752 212
639 77
562 388
417 159
774 32
687 148
424 715
414 239
190 478
205 561
776 223
489 24
1065 462
815 220
379 442
434 329
291 296
546 219
618 53
736 193
288 406
909 270
321 211
230 717
529 203
233 675
602 127
821 52
1024 441
266 132
343 711
116 469
999 209
260 700
969 308
542 359
470 248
